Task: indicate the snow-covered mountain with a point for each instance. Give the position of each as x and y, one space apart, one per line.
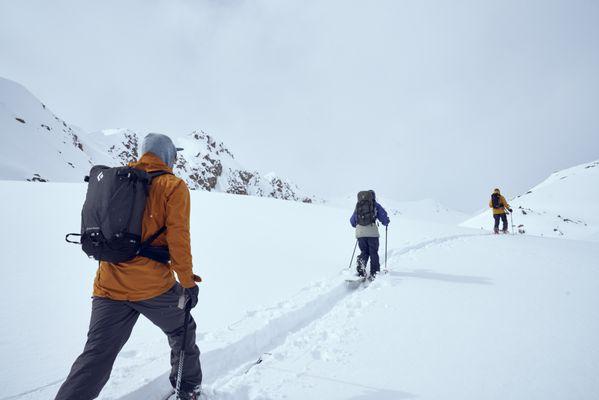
36 145
205 164
564 205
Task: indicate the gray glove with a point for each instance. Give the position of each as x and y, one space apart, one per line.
192 294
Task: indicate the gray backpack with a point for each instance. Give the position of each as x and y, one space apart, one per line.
365 208
111 219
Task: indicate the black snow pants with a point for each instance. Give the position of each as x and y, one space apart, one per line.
110 326
369 248
503 218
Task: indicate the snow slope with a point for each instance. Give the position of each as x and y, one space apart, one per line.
421 210
469 327
461 315
36 145
564 205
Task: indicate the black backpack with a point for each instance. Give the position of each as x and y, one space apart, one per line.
111 218
365 208
496 200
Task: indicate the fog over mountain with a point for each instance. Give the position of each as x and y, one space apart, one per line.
415 99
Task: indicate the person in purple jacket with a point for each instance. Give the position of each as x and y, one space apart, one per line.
364 219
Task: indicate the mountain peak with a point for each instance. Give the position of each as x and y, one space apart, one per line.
38 146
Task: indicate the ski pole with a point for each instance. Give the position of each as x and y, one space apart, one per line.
512 221
386 230
182 351
352 255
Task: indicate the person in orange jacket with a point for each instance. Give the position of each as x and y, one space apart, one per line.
499 205
143 286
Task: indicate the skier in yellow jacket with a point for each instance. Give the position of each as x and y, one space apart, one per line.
499 205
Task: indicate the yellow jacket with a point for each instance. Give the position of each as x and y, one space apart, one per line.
503 202
168 205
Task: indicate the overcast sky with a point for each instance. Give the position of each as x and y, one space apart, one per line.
415 99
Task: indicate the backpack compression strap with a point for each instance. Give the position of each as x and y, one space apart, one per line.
156 253
154 236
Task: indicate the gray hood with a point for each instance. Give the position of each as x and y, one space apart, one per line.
160 145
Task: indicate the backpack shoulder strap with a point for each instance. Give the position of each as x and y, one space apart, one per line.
154 236
152 175
156 174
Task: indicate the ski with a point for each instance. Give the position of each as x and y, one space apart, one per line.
169 396
356 280
172 396
361 281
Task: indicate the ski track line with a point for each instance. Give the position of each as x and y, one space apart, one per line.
431 242
242 369
250 347
32 391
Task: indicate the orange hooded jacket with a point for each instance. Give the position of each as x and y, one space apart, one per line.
168 205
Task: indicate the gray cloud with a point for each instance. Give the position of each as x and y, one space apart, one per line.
413 98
